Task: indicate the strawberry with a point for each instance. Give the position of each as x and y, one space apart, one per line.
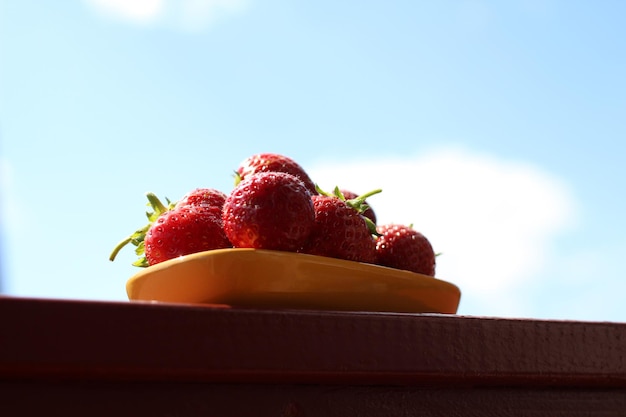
402 247
369 212
184 230
204 197
340 230
272 162
193 224
269 210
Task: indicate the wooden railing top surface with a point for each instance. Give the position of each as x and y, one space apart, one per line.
135 341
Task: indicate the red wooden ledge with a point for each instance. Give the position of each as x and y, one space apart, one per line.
117 341
76 359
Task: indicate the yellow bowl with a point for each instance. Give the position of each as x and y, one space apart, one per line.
284 280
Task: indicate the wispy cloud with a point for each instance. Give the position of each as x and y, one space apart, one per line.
187 15
493 220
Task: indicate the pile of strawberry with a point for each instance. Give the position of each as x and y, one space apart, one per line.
276 206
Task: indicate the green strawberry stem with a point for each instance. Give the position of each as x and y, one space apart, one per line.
371 226
237 178
156 204
118 248
138 236
357 204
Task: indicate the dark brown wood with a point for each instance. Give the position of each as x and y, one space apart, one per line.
94 399
115 358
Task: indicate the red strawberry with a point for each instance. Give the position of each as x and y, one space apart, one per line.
340 230
203 197
402 247
369 212
271 162
193 224
184 230
269 210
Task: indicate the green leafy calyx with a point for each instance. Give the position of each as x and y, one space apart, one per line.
138 236
357 203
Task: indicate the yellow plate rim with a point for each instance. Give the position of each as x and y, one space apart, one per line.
260 278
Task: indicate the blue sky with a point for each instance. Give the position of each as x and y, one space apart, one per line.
495 127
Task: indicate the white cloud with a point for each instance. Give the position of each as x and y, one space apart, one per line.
493 220
585 284
187 15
